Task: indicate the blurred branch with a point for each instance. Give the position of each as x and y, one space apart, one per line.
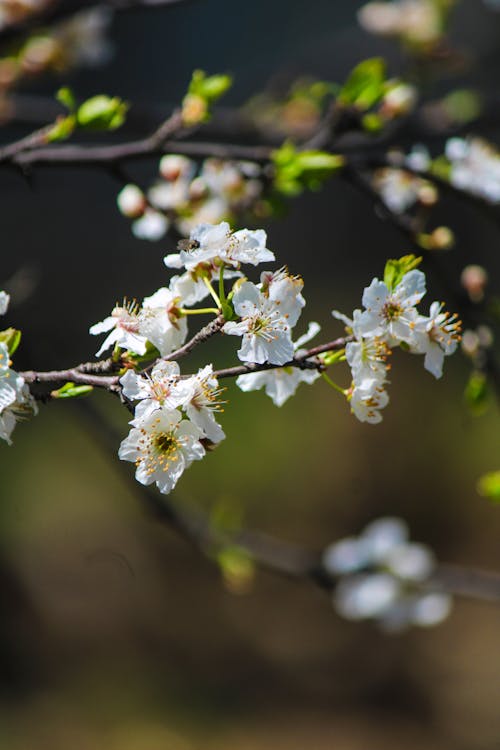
270 553
62 9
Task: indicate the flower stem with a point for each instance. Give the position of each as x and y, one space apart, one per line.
199 311
213 293
332 383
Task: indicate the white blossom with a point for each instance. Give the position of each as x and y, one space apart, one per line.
162 388
266 332
123 325
4 302
391 314
280 383
162 446
152 226
437 337
202 402
416 21
398 189
367 399
131 201
380 576
161 321
210 243
16 401
474 167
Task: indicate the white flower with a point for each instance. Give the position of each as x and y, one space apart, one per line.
190 286
391 315
380 575
16 401
202 401
417 21
367 399
123 324
474 167
131 201
419 158
437 337
285 291
367 359
281 383
265 331
151 226
216 243
162 446
4 302
163 388
161 322
398 189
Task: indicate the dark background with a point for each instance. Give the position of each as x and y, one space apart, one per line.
116 634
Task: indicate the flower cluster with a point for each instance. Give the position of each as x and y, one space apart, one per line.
161 442
186 197
16 401
384 577
474 167
390 318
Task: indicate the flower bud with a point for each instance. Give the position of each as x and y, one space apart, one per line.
131 201
474 279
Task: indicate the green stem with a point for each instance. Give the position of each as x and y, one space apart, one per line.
199 311
333 384
213 293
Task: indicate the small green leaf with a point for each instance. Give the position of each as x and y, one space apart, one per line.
62 129
296 170
372 122
66 97
489 486
395 269
365 85
11 337
209 88
477 393
71 390
462 106
102 113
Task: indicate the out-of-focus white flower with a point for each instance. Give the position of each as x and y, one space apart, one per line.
415 21
436 336
266 332
398 189
419 158
131 201
152 226
123 325
281 383
83 38
162 446
161 321
381 575
4 302
474 167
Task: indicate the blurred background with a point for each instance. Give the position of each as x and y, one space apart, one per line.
115 633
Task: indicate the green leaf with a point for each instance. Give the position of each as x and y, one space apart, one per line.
66 97
102 113
489 486
11 337
365 85
71 390
462 106
395 269
62 129
296 170
477 393
209 88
